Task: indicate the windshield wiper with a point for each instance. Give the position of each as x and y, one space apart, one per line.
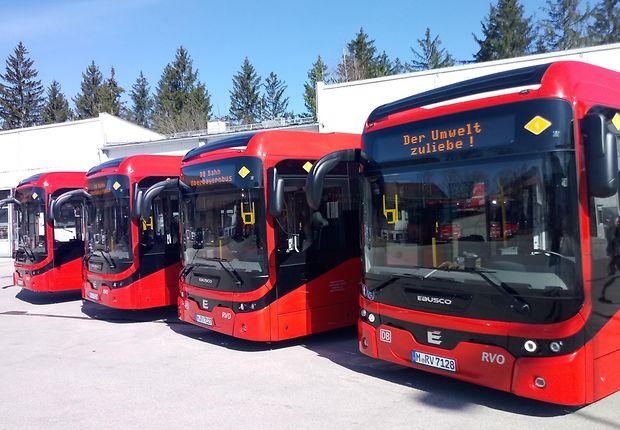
231 271
109 260
29 252
518 304
392 279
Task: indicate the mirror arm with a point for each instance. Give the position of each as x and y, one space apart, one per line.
9 201
155 190
316 177
56 205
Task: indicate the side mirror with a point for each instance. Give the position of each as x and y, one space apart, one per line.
276 193
56 205
137 205
601 156
316 177
145 199
9 201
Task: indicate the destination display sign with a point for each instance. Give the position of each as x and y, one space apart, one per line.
510 128
242 172
113 185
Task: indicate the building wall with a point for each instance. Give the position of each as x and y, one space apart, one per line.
345 107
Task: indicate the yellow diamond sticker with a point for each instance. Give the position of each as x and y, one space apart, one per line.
616 121
244 171
116 186
307 166
537 125
35 196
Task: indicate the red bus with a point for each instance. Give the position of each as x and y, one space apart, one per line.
258 264
525 299
130 263
48 254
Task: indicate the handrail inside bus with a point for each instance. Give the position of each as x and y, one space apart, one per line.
316 177
56 205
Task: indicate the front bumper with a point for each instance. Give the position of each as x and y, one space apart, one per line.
487 365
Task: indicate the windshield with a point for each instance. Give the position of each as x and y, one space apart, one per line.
31 222
109 222
226 225
515 219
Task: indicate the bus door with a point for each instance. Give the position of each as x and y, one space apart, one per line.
159 236
312 246
68 232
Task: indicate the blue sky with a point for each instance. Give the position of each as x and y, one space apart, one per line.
280 36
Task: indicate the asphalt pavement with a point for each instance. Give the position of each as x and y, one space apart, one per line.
65 364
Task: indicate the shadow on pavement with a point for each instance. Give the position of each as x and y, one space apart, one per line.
123 316
340 347
438 391
219 339
39 298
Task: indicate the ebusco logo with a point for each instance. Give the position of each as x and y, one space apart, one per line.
435 300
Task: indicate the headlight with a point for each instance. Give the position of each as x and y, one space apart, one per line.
530 346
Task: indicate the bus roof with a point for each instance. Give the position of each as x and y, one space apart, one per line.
285 143
54 180
138 166
562 79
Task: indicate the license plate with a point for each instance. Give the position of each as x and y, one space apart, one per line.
20 282
203 319
435 361
93 296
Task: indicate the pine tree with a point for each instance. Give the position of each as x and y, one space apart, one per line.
318 72
398 67
506 32
21 95
359 60
56 108
87 102
430 55
605 24
245 101
109 96
563 28
142 108
181 102
383 66
275 103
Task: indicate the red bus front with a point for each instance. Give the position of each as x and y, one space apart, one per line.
524 298
48 254
258 273
131 263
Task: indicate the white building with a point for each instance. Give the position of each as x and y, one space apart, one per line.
181 143
345 107
68 146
